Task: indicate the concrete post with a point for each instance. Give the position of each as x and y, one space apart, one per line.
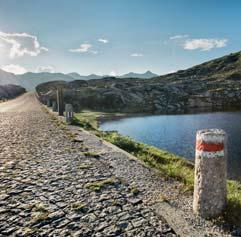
210 173
69 113
60 102
54 106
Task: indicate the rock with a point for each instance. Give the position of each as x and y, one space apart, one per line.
56 215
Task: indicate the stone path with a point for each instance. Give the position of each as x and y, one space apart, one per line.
51 185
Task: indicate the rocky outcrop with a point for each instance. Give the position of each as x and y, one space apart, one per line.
10 91
119 96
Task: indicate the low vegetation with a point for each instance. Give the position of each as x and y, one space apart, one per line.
78 206
168 164
98 185
90 120
85 166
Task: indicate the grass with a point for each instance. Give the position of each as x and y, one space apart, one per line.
168 164
90 120
40 207
78 206
232 213
85 166
91 154
98 185
42 216
134 190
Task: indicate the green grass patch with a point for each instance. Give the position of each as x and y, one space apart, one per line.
85 166
39 217
232 213
134 190
78 206
90 119
98 185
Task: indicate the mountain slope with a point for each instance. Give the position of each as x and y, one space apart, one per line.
226 67
8 78
30 80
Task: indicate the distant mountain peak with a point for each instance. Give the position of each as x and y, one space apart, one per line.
146 75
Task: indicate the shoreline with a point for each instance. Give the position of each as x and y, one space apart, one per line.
112 116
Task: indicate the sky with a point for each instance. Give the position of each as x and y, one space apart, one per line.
113 37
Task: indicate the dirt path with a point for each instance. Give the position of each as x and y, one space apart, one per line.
52 186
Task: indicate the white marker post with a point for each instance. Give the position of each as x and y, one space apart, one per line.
210 173
54 106
69 113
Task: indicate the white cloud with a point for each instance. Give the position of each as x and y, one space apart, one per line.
113 73
82 49
104 41
16 69
21 44
45 69
175 37
204 44
136 55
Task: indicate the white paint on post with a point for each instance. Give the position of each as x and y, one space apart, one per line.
210 173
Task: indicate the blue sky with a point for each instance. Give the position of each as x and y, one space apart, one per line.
116 36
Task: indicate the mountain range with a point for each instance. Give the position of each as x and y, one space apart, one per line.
30 80
218 71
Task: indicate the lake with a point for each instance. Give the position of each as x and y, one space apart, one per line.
176 133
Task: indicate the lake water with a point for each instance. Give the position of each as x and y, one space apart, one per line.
176 133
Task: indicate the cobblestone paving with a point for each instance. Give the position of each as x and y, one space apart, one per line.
53 186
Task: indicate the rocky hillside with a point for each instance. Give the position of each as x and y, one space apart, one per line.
10 91
211 86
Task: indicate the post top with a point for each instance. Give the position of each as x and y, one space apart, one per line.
212 131
68 107
211 135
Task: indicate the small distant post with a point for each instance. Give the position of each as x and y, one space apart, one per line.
54 106
49 103
69 113
210 192
60 102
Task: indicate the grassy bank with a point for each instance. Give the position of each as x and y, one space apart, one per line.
168 164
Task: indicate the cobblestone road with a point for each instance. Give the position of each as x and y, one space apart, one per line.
52 186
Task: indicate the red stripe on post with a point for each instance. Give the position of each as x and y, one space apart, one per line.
209 147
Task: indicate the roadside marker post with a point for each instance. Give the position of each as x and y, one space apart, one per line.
210 192
69 113
54 106
60 102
